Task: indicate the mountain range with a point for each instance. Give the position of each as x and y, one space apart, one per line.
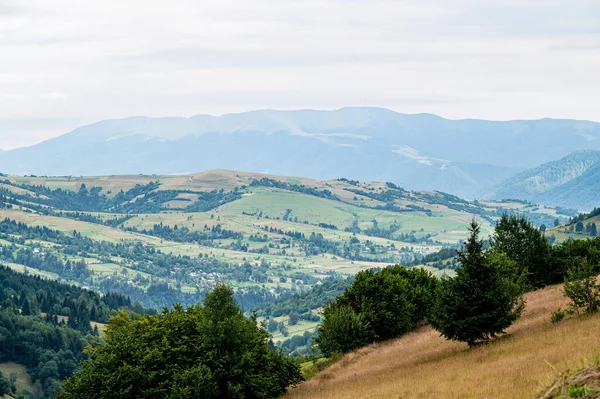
423 151
571 182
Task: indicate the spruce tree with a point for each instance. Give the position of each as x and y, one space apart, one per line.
26 308
482 300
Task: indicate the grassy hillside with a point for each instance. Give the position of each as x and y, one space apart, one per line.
424 365
581 226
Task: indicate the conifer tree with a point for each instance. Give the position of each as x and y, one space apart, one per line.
26 308
483 299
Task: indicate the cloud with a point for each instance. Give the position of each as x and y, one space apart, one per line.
11 97
498 59
54 96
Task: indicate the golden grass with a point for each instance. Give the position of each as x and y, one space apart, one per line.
424 365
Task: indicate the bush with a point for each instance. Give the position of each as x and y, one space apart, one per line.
581 288
342 330
5 386
379 305
557 316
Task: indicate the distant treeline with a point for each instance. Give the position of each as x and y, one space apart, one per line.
139 199
300 188
143 258
184 234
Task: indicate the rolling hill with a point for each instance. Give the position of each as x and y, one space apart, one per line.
166 239
572 182
421 151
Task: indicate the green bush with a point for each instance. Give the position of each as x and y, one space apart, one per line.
558 316
379 305
5 386
574 391
342 330
581 288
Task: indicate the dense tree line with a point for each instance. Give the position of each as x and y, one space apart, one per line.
479 303
34 332
142 198
91 200
159 294
441 255
299 188
389 197
303 303
184 234
213 199
35 295
50 351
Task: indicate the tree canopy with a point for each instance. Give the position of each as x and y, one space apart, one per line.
209 351
527 246
379 305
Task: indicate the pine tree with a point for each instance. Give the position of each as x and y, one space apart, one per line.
483 299
26 308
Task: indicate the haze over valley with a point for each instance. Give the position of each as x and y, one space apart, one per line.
467 158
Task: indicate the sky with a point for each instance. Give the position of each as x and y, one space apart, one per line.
65 63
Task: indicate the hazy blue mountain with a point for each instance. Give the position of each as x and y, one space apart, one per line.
420 151
572 181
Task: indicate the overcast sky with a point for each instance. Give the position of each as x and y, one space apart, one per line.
64 63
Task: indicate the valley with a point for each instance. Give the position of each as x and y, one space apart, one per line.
299 200
168 239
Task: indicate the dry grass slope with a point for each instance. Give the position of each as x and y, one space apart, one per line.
425 365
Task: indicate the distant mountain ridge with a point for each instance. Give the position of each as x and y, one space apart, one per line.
572 181
422 151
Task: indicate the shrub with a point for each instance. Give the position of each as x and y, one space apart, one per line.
379 305
581 288
342 330
574 391
557 316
